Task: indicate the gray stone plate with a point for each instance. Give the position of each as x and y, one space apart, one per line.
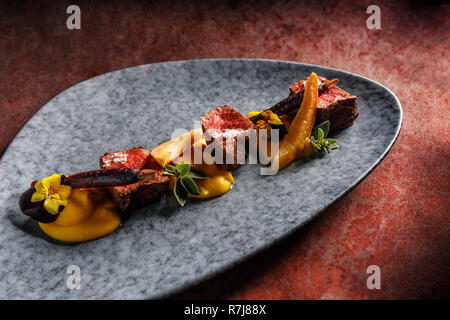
162 248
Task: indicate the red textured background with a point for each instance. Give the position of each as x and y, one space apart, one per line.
398 218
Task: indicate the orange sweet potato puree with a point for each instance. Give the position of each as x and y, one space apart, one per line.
218 183
89 215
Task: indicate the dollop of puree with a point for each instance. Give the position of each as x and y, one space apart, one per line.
89 214
218 183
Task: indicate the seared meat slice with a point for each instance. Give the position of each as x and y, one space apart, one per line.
335 105
225 124
136 195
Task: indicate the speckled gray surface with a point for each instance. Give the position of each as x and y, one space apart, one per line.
162 248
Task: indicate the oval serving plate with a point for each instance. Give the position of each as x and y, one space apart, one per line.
162 248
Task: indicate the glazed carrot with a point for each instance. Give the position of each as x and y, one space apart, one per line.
300 130
303 122
286 154
307 151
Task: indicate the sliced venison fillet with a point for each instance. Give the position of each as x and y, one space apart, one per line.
335 104
136 195
226 125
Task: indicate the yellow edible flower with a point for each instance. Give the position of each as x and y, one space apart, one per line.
252 114
268 116
272 118
261 124
53 192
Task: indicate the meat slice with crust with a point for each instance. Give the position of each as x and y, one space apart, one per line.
335 104
136 195
226 125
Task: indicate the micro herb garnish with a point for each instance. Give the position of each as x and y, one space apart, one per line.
185 184
318 139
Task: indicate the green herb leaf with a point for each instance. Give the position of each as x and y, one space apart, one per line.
195 173
320 134
181 194
318 141
190 185
334 146
325 126
170 168
169 174
185 183
183 169
195 176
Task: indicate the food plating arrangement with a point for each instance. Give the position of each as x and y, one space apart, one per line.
89 205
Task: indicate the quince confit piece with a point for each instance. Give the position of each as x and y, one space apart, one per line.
297 138
173 152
